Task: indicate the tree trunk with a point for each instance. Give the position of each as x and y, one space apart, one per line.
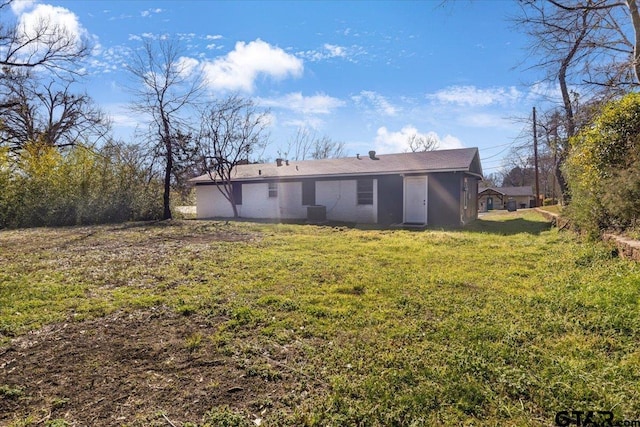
235 209
168 168
167 182
635 20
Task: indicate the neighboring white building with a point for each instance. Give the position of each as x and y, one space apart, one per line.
491 198
434 188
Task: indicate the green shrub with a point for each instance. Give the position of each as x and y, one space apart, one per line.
603 169
43 186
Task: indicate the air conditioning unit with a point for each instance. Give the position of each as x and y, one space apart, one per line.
316 213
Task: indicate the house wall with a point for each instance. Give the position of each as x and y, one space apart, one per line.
390 199
470 210
444 195
211 203
256 202
340 198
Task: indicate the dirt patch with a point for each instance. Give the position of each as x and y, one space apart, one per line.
134 367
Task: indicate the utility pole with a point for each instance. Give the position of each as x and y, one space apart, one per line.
535 157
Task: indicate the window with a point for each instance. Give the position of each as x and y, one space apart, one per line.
308 193
365 191
273 189
236 191
466 195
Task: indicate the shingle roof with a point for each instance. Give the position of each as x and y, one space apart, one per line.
464 159
509 191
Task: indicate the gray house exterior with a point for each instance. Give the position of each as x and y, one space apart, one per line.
435 188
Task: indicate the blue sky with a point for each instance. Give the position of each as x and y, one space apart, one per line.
368 74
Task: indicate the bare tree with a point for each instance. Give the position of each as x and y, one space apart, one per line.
301 146
582 45
232 131
493 179
49 114
325 148
418 143
165 89
307 145
620 18
46 44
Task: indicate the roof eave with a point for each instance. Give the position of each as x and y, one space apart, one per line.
336 175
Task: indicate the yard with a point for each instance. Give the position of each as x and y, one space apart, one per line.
199 323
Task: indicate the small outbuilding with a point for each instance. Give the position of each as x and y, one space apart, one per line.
435 188
490 198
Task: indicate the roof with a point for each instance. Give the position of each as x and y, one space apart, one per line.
508 191
461 160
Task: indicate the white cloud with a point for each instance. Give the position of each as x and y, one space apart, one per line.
474 97
186 65
213 37
378 101
239 69
149 12
335 51
398 142
316 104
57 20
19 6
329 51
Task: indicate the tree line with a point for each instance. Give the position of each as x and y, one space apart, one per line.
589 52
59 164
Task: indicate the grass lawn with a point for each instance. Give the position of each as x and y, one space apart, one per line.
201 323
552 208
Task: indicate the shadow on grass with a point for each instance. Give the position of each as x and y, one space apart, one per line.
495 225
508 227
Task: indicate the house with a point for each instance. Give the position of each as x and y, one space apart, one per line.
427 188
490 198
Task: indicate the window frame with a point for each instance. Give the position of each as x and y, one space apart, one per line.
365 191
236 193
272 190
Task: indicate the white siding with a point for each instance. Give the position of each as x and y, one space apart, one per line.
340 198
211 203
256 202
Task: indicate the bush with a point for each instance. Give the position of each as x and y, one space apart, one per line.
603 169
42 186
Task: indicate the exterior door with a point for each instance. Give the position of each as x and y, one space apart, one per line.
489 203
415 199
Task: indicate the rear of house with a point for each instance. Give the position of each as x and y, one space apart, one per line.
437 188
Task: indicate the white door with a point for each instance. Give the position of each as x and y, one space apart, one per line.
415 199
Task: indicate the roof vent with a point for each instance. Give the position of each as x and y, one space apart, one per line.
372 155
279 162
358 157
286 162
